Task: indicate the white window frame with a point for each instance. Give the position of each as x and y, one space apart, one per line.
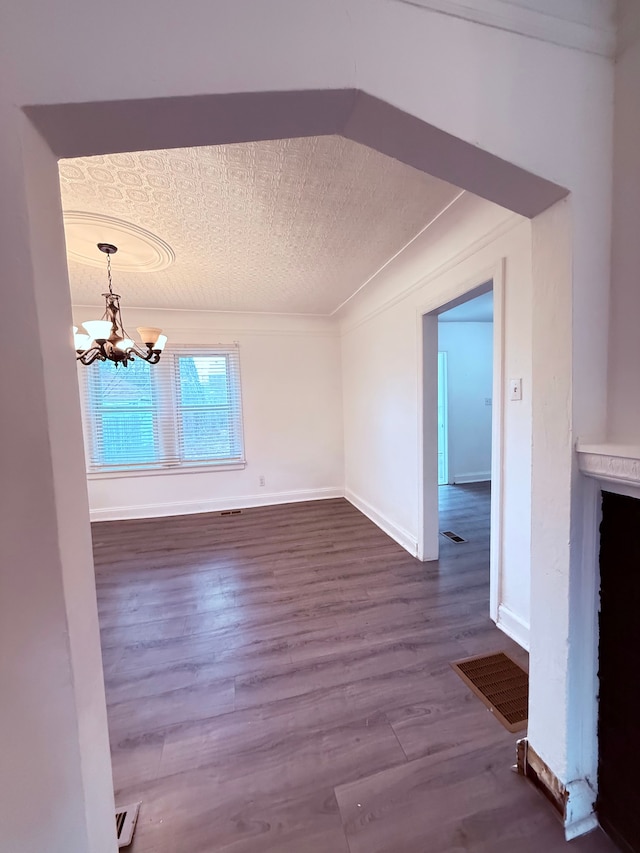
168 428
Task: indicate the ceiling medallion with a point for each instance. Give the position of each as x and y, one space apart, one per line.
107 340
139 250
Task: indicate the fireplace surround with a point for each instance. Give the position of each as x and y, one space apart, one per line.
612 547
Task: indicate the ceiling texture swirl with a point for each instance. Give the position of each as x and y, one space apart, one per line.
292 226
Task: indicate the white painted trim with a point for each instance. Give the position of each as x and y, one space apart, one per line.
612 468
504 227
390 260
610 463
579 815
166 470
427 497
474 477
214 504
191 332
513 626
580 826
399 534
579 31
579 809
224 311
497 441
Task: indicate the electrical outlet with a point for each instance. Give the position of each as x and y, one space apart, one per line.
487 401
262 481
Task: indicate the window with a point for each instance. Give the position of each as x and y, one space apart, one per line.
185 411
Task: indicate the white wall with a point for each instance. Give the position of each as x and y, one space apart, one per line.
55 771
469 348
624 347
292 408
504 99
380 358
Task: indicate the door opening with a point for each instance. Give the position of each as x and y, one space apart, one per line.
465 397
465 390
462 426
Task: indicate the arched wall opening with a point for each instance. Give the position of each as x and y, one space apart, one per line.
66 130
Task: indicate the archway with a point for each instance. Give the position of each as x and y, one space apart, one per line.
100 125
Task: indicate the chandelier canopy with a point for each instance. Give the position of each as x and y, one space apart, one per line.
107 340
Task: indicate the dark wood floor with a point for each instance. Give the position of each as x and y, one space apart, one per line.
279 681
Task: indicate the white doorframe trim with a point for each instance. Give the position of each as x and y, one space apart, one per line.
443 394
427 540
497 441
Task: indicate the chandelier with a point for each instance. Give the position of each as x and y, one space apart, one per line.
106 339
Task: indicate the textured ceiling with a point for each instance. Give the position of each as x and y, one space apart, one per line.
287 226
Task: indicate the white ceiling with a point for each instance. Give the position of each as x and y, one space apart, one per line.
478 310
286 226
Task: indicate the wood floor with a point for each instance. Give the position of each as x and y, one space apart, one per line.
279 682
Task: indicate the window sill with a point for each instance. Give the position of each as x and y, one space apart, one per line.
167 470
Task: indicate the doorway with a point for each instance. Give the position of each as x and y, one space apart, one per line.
465 398
462 415
465 392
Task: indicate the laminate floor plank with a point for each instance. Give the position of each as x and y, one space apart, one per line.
279 681
458 800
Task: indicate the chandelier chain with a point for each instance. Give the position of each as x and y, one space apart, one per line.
109 274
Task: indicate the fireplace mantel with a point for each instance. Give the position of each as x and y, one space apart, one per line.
613 464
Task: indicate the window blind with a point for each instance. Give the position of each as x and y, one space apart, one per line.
184 411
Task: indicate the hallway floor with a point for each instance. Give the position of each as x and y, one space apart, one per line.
279 682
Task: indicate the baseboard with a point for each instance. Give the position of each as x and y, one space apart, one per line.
399 534
573 803
118 513
477 477
580 816
513 626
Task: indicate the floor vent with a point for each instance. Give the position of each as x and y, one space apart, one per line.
231 512
453 536
126 818
501 684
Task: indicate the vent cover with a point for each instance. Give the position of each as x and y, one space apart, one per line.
231 512
453 536
500 684
126 818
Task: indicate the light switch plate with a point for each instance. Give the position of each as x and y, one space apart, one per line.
515 389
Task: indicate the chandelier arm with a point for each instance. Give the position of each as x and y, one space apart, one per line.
149 354
91 355
137 350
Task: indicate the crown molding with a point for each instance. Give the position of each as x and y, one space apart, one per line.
589 27
351 322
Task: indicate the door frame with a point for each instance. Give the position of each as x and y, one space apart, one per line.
443 381
491 278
